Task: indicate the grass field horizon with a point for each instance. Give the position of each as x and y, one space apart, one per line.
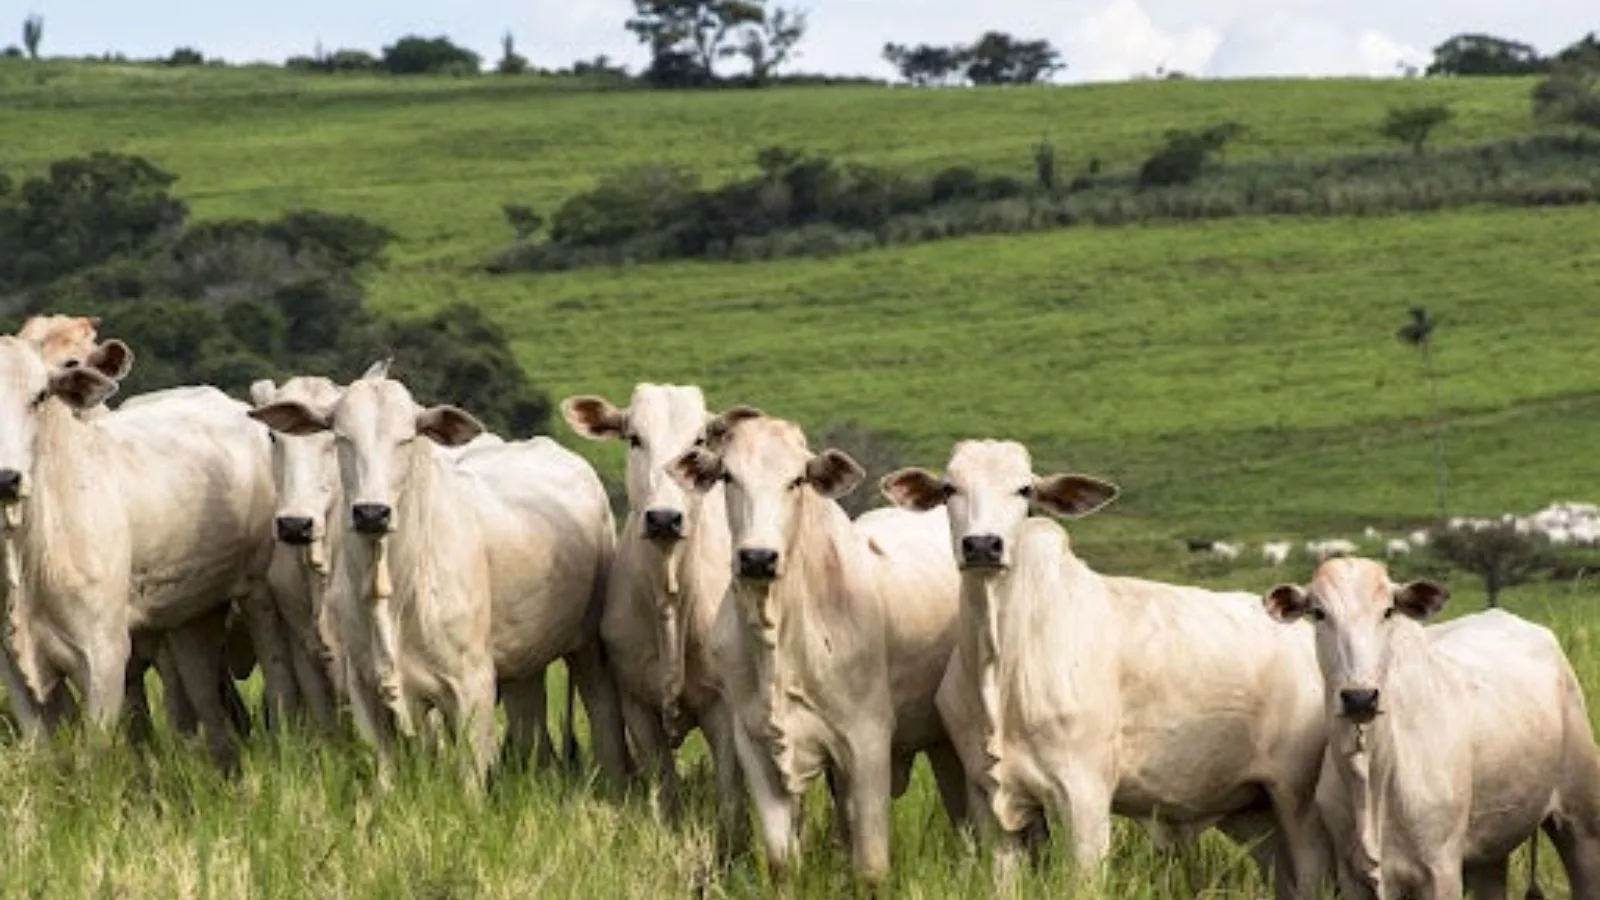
1239 379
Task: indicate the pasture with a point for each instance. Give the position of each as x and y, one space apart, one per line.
1238 379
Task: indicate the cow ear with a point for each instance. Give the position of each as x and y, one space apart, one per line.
82 388
1073 495
915 489
262 391
289 417
112 359
1421 600
717 429
448 425
834 474
1286 602
594 417
696 470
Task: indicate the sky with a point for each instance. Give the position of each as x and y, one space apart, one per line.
1101 40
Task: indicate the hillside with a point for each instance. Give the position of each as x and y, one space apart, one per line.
1240 371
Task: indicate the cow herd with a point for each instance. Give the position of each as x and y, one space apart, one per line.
401 563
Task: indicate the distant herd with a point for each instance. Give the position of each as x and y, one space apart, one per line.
399 564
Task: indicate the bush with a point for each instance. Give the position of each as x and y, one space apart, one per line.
1570 95
1185 154
625 205
413 55
1497 554
185 56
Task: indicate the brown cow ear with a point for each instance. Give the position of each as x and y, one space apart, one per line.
82 388
594 417
915 489
448 425
289 417
1286 602
1073 495
717 429
696 470
834 474
1421 600
112 359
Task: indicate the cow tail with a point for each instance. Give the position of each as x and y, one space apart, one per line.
1534 893
569 740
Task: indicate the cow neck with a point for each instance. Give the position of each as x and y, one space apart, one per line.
1372 758
42 530
780 617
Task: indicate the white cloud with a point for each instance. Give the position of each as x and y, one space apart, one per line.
1288 43
1121 40
1383 56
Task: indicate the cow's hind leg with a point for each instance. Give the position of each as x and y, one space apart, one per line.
1578 844
951 778
527 722
601 698
197 652
1487 881
654 752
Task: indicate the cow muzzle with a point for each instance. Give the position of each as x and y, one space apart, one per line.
10 486
757 563
663 524
982 551
1359 705
295 530
370 518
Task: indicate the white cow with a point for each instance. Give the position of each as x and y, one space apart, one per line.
143 523
670 577
1394 548
1080 695
1275 553
456 574
1225 551
1449 745
833 637
1324 549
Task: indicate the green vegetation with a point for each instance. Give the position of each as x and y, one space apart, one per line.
1238 378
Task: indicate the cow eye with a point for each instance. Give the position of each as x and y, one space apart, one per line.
700 440
797 482
948 489
634 441
42 396
1025 491
1315 613
1389 613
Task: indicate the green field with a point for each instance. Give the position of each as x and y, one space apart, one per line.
1239 379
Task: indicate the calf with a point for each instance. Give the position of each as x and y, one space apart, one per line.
1082 695
833 637
1449 745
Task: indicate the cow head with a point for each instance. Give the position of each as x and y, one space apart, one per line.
31 390
766 471
660 423
374 424
305 468
987 490
63 341
1358 613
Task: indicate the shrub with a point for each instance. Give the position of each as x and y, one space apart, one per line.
1412 125
185 56
414 55
624 205
1570 95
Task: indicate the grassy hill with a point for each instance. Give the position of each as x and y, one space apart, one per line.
1238 378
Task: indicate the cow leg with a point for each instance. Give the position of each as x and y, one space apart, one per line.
654 753
775 808
1487 881
315 689
469 713
601 698
868 789
374 722
838 782
1083 800
1258 831
281 693
1443 878
734 825
102 673
951 778
1578 844
31 714
197 651
527 722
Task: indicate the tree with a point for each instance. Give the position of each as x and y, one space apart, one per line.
923 64
1414 124
693 31
771 42
511 62
185 56
999 58
1482 54
1583 53
32 33
1418 333
1496 553
1184 156
413 55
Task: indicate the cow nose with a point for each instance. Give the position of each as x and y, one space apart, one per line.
756 562
982 549
10 484
1359 703
663 524
295 529
370 518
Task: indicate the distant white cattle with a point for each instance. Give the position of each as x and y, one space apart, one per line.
141 524
1394 548
834 635
460 573
1449 745
1321 550
1418 538
1225 551
1080 695
670 578
1275 553
1371 533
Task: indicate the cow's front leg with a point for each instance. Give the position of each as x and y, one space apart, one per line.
869 787
775 808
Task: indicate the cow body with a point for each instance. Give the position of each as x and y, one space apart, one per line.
1450 745
1078 695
